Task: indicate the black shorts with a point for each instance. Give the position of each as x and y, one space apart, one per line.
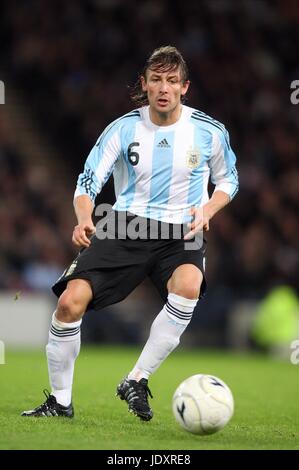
115 266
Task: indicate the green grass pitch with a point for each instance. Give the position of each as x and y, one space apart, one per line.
265 391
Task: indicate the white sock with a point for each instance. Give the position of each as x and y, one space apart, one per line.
62 350
165 334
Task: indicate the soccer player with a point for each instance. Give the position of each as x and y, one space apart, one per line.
162 155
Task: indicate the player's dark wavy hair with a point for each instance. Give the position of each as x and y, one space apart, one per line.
163 59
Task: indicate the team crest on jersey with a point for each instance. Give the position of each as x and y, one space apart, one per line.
193 158
72 268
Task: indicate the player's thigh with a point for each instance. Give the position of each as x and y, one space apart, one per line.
185 281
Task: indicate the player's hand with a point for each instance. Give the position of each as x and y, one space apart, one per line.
200 222
81 234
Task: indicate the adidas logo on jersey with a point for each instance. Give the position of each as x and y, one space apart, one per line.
163 144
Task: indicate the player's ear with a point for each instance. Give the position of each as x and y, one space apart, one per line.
143 83
185 87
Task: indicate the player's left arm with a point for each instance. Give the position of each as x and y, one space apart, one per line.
224 176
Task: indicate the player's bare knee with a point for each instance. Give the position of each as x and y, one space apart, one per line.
68 308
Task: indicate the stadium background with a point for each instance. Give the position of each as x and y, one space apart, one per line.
67 68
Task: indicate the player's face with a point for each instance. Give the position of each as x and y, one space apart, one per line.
164 90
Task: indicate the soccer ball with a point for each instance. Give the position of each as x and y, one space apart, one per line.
203 404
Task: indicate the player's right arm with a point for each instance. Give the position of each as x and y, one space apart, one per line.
83 206
97 169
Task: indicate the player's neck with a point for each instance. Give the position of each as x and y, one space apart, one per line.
165 119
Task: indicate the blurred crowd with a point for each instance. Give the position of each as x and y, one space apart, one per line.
35 227
74 62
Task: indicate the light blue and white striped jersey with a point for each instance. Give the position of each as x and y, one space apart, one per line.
160 172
